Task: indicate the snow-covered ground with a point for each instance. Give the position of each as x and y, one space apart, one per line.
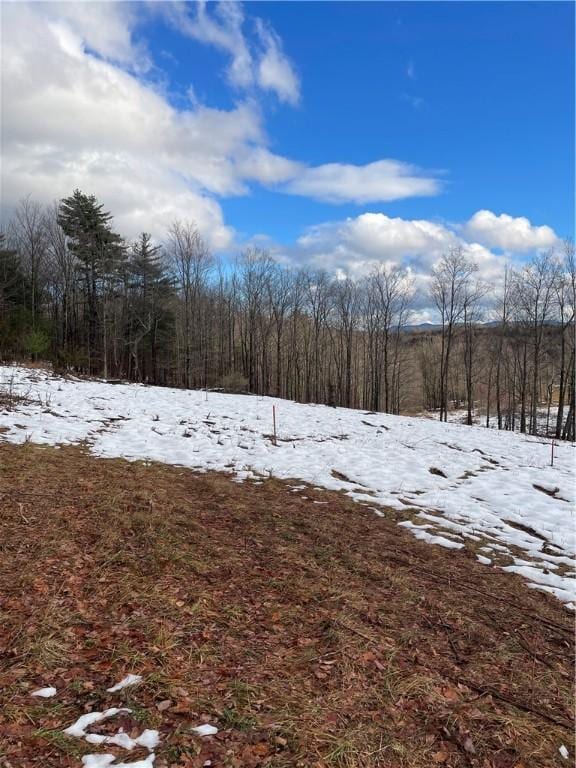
493 488
545 418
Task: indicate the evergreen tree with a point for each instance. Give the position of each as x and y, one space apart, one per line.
100 253
151 291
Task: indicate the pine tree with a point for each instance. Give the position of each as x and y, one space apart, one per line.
151 290
99 251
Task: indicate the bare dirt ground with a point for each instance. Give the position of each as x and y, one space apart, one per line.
310 634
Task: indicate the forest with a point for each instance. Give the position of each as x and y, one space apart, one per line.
75 293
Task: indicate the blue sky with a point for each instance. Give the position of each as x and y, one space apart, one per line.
335 134
481 91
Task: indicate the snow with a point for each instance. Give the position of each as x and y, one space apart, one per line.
103 761
420 533
44 693
205 730
128 680
98 761
78 729
120 739
484 560
563 751
492 486
148 738
544 580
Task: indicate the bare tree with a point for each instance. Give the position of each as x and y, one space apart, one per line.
255 269
346 305
192 263
451 289
388 295
166 315
28 237
535 286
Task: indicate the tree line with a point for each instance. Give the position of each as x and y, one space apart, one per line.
73 291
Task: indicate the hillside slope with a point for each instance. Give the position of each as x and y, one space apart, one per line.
307 635
450 484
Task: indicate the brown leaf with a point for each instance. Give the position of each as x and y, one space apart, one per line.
451 694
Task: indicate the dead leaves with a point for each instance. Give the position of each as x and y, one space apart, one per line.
221 594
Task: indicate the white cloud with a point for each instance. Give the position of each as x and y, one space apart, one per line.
259 164
72 119
222 29
355 245
105 29
76 114
509 233
383 180
263 65
142 196
275 71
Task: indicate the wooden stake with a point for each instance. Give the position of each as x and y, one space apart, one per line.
274 422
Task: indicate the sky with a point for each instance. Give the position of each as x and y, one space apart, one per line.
334 134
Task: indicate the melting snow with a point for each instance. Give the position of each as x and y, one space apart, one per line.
420 532
78 729
128 680
103 761
149 739
486 483
205 730
44 693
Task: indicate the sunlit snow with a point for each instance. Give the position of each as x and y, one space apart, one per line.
468 483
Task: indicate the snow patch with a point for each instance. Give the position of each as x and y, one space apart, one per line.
128 680
103 761
493 489
44 693
422 534
78 729
205 730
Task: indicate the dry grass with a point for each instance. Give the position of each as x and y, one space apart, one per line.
313 635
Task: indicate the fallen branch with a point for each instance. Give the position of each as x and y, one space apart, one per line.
487 690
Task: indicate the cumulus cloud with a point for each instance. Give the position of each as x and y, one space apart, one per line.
76 113
106 30
380 181
355 245
73 117
508 232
